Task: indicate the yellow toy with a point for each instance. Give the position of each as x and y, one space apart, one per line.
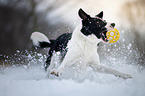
113 35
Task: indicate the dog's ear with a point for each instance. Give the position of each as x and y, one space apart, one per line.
83 15
100 15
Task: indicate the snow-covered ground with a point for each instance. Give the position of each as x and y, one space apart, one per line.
30 79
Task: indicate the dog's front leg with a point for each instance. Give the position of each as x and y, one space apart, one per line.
69 60
105 69
59 70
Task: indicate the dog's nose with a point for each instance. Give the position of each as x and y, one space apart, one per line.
113 25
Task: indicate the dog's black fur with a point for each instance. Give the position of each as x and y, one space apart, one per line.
60 45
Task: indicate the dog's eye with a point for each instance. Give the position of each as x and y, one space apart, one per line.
98 21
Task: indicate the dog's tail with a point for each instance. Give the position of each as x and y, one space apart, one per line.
40 40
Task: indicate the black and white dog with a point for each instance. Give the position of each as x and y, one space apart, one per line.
79 47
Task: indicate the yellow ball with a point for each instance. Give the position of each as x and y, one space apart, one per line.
113 35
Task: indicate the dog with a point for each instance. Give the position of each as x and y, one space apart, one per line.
79 47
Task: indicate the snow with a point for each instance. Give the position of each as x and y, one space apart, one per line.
17 85
31 80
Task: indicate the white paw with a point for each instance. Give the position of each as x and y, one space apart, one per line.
125 76
56 72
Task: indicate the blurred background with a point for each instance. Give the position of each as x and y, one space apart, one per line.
19 18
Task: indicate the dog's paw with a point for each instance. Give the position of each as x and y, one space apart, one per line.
125 76
56 72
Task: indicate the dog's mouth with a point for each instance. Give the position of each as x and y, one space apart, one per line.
104 36
105 29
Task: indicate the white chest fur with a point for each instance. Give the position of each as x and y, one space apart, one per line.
82 48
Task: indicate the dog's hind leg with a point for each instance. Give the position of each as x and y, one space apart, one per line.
47 63
104 69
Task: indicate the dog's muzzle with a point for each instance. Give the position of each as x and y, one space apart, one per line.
104 36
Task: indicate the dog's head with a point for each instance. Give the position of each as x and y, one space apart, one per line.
95 25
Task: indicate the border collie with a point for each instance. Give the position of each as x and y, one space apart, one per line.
79 47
